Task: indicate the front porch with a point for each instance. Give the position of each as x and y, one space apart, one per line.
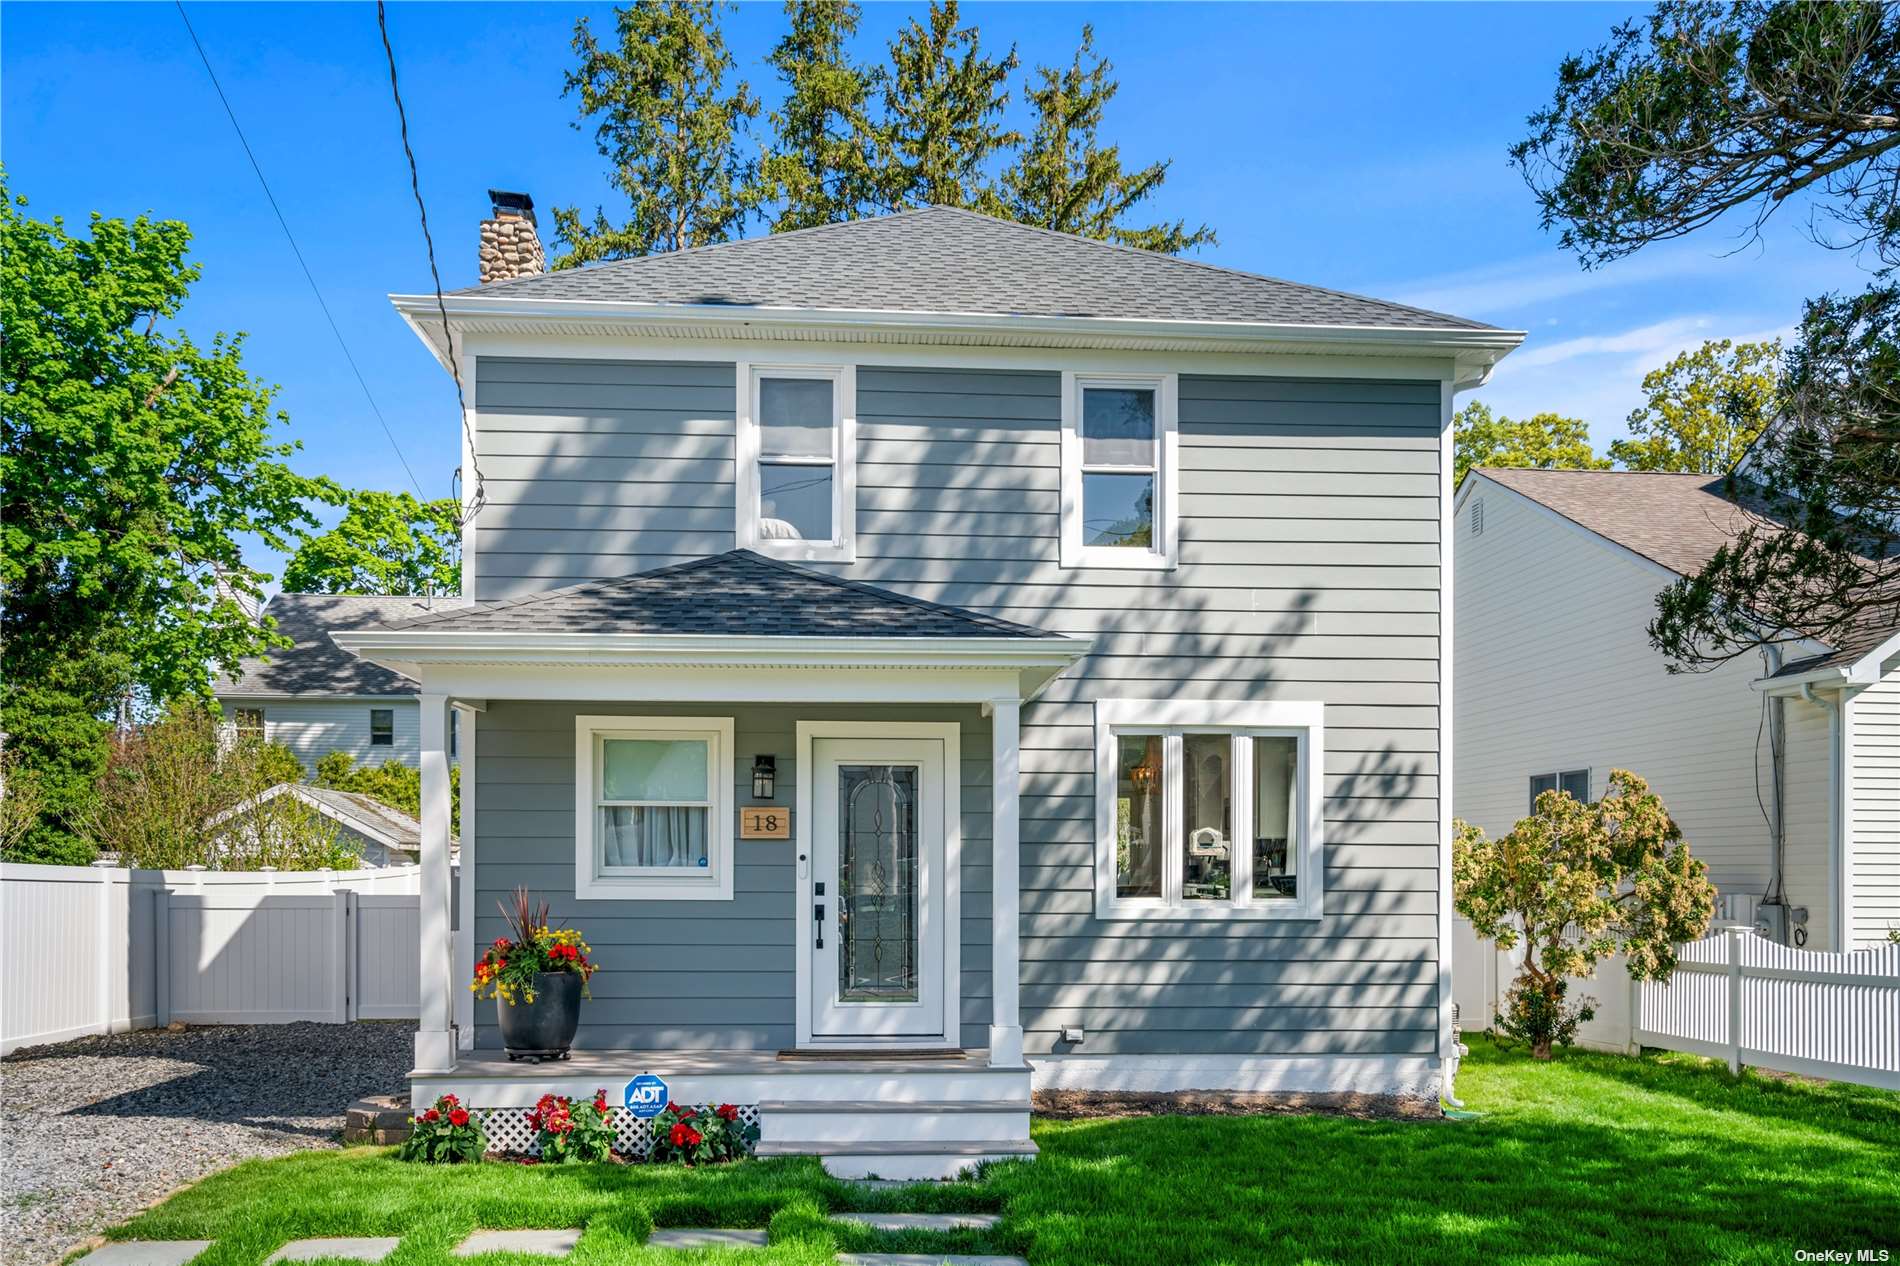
872 939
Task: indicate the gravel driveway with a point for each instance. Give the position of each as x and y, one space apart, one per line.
98 1129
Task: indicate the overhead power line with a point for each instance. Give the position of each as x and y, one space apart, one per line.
297 251
479 498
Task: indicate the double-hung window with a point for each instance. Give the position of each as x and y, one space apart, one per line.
1119 478
653 807
1208 810
796 491
1574 781
382 727
248 722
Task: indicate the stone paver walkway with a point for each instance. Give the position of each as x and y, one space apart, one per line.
921 1221
546 1243
693 1237
927 1259
354 1248
147 1252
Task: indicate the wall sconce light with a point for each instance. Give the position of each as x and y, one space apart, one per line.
764 776
1146 777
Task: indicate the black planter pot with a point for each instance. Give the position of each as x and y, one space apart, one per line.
544 1028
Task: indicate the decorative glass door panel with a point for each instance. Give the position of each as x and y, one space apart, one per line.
877 883
877 890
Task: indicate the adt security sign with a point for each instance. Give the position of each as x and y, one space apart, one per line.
646 1096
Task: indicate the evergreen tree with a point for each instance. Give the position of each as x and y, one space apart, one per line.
1066 180
665 121
942 128
819 168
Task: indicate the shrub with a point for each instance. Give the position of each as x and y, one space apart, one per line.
566 1131
698 1136
392 783
1577 883
446 1134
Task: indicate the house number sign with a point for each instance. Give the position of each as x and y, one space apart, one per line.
765 822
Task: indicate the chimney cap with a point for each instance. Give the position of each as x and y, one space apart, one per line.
507 203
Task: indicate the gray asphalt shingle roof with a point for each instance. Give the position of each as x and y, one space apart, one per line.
1676 520
738 594
315 665
938 259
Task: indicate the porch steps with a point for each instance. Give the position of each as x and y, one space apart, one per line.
917 1138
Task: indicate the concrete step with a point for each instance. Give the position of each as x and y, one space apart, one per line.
863 1121
912 1161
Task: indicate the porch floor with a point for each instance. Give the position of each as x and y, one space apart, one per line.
716 1063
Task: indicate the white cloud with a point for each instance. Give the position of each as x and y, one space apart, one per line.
1643 341
1543 279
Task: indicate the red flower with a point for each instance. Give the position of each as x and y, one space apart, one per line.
432 1116
501 942
727 1112
684 1135
687 1114
600 1101
459 1116
451 1100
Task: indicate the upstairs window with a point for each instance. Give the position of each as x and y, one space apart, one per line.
1119 483
382 727
1574 781
797 486
1208 810
249 722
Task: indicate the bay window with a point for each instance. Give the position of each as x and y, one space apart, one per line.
653 807
1208 810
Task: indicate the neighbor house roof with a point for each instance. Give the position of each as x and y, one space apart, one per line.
738 593
315 665
943 260
1677 521
368 817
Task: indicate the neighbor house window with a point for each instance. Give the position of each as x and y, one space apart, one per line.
382 727
796 490
1574 781
1119 482
1208 810
249 722
653 807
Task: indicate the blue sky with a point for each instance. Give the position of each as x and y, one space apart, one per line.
1356 146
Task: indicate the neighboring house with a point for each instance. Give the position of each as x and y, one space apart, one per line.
316 698
1557 684
381 835
1081 606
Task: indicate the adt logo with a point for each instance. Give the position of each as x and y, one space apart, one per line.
646 1096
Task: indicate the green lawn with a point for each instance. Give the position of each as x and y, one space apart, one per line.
1593 1158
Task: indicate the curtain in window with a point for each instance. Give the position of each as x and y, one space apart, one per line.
636 835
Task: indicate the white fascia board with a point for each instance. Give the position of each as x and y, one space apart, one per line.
1476 345
1866 669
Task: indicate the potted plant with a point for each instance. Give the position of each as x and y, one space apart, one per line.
536 975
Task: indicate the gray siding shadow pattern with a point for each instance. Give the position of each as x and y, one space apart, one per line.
1309 570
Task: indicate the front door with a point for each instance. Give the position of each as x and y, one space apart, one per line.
877 890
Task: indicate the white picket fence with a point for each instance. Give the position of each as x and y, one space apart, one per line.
98 949
1735 996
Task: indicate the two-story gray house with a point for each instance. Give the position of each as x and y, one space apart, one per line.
930 658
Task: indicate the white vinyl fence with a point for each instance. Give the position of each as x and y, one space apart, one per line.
97 949
1734 996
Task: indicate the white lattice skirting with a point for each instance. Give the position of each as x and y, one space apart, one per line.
508 1129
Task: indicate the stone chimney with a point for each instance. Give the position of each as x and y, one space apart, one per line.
510 245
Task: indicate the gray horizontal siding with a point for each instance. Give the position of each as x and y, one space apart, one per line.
685 973
1310 544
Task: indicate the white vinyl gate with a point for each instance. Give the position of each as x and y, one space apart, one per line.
97 949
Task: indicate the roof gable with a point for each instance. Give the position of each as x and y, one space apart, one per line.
737 594
945 260
313 664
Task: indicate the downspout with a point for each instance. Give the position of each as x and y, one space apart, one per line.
1777 768
1836 756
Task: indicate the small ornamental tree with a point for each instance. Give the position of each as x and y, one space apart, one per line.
1577 883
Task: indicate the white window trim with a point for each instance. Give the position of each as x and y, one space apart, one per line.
1301 719
392 727
715 883
1165 555
843 547
1589 781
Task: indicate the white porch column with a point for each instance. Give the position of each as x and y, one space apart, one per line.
435 1039
1006 1027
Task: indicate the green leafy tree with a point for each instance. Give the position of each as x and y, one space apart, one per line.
1544 441
943 129
386 542
1577 883
819 166
392 783
131 458
664 119
1818 550
1701 109
1703 409
1065 179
